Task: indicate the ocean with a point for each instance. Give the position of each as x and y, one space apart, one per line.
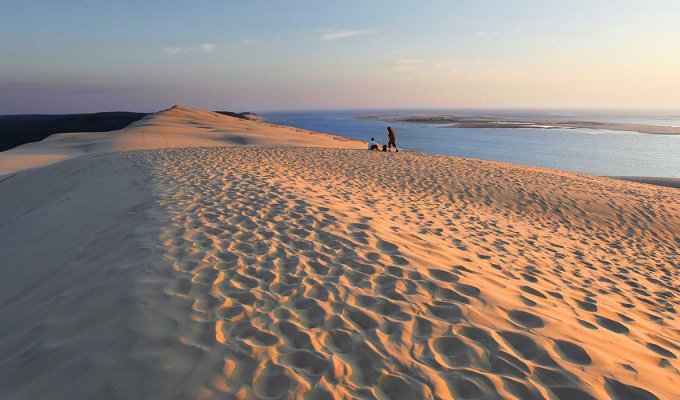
598 152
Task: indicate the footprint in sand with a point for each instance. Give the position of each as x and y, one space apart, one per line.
611 325
401 387
527 301
272 382
308 362
660 350
230 313
572 352
620 390
451 352
469 290
448 312
469 388
526 319
338 340
571 393
362 321
532 291
527 348
256 337
587 306
444 276
586 324
448 294
387 247
480 336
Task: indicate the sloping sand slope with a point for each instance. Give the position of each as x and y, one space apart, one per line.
178 126
261 272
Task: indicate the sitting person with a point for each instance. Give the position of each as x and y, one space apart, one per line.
372 145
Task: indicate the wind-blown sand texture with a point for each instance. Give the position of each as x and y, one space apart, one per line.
277 272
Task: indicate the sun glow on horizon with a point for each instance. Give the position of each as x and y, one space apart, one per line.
68 58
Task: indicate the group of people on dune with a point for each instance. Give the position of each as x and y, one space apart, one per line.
392 142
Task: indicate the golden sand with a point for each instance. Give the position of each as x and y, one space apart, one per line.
281 272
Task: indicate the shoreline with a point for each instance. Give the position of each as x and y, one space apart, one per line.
650 180
62 146
481 122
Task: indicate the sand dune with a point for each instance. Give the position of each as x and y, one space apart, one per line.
281 272
178 126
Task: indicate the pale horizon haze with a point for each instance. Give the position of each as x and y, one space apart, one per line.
78 56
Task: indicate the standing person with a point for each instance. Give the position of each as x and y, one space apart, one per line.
392 139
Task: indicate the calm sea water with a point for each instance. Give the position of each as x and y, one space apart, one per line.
578 150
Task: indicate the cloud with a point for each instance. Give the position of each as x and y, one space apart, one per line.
207 47
444 64
173 50
243 43
407 61
416 65
406 64
202 48
501 33
341 34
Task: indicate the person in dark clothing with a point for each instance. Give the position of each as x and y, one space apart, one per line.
392 140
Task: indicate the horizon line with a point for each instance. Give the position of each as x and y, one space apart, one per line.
283 110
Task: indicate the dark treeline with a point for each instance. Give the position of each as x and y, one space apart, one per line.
16 130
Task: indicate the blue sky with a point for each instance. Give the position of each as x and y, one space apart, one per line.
73 56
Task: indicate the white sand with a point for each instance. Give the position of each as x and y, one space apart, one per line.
269 272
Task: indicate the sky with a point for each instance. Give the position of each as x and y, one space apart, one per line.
86 56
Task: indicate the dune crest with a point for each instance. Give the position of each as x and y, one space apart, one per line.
177 126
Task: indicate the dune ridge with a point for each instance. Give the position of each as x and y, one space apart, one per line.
283 272
178 126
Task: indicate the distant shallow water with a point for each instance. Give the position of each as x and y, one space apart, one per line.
579 150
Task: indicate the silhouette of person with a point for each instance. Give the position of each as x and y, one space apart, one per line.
392 139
